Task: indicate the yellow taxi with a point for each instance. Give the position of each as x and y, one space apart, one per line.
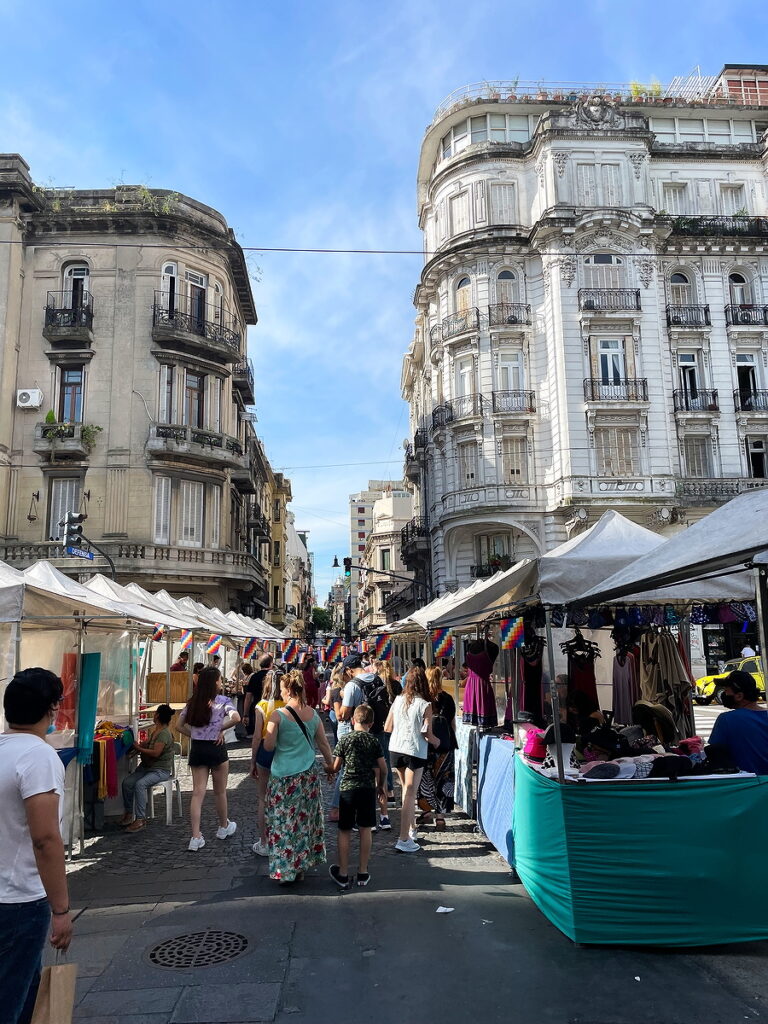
710 688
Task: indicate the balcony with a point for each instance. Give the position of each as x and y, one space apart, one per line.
717 488
609 299
622 390
414 542
67 320
467 406
482 572
505 313
514 401
257 521
179 441
746 316
243 476
695 401
197 327
441 416
62 440
721 227
242 379
745 400
688 316
411 466
460 323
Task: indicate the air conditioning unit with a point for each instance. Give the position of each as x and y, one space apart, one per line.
29 398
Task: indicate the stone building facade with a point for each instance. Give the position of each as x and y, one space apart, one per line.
592 316
381 557
125 389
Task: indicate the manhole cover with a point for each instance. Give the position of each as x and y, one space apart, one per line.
200 949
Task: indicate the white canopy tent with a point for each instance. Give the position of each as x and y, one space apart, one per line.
109 588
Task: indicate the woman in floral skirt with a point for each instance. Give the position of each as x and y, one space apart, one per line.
294 799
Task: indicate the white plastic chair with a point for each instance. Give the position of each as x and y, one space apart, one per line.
169 785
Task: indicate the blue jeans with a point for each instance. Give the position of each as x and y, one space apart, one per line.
137 785
23 928
383 738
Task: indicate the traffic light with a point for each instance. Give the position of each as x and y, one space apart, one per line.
347 568
73 530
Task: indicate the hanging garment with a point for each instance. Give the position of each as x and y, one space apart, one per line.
581 678
479 705
664 679
626 689
532 673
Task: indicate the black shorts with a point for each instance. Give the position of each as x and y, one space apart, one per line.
357 807
408 761
207 754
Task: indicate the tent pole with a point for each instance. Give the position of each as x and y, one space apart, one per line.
553 696
762 612
168 656
190 666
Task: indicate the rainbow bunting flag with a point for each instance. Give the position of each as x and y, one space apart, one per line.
442 643
290 649
320 655
364 646
250 649
214 643
382 647
333 651
512 633
186 640
159 632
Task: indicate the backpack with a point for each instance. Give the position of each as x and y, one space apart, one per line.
378 700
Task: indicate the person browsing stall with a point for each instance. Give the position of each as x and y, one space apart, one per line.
744 729
155 766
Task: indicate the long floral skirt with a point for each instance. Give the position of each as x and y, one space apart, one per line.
294 824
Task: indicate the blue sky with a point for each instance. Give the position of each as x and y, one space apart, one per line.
301 122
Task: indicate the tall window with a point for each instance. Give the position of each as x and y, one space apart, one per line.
494 548
680 290
194 392
276 599
76 282
733 199
463 295
697 452
618 451
215 402
162 510
506 290
64 496
503 204
514 460
276 510
746 374
276 553
757 464
610 175
386 558
675 199
165 408
197 285
215 516
586 186
611 360
688 371
460 213
71 395
168 287
741 293
464 375
467 464
511 371
603 270
191 494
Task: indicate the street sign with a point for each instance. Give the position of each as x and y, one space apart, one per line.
79 553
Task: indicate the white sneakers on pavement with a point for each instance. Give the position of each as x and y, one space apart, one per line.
196 843
407 846
260 849
228 830
413 834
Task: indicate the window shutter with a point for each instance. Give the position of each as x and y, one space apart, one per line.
215 406
514 466
503 204
65 497
459 214
467 465
611 185
162 526
586 192
215 516
733 199
191 514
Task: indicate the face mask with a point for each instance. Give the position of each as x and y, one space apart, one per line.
729 701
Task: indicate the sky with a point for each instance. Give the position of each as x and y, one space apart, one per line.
301 122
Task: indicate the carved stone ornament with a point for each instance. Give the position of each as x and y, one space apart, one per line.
637 160
561 159
540 172
567 270
646 267
596 112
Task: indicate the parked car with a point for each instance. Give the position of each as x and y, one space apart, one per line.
710 688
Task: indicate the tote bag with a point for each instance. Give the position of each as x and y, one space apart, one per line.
56 995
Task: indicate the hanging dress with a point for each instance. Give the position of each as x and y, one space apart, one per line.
479 705
581 677
626 688
533 668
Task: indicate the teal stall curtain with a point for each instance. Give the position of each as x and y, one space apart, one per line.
86 706
645 863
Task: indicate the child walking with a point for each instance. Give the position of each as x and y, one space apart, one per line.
365 772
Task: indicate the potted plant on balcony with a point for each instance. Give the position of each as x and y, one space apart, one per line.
53 429
88 434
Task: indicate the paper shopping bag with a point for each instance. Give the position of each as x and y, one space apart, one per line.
56 995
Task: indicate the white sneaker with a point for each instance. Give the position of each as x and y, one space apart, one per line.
196 843
229 830
413 834
260 849
407 846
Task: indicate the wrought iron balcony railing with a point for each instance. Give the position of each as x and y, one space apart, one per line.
746 400
242 374
412 530
420 438
695 401
483 571
514 401
467 406
622 390
509 313
609 298
435 334
460 323
746 316
751 227
183 434
718 487
441 415
688 316
65 313
203 319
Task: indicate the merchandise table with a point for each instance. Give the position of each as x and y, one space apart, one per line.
647 862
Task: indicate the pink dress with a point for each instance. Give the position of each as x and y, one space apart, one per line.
479 706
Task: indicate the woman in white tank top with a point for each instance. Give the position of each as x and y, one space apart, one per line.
410 724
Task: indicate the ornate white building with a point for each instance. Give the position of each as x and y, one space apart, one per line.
592 316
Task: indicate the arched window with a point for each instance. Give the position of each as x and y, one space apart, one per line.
604 270
168 287
463 295
76 285
506 287
741 293
680 290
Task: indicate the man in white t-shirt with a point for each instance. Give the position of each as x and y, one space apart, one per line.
747 651
33 880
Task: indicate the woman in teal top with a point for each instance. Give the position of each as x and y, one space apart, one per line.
294 801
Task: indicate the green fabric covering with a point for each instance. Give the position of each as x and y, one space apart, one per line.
644 863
